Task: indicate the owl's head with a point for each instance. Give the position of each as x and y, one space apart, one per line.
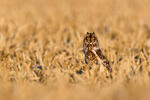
91 41
90 38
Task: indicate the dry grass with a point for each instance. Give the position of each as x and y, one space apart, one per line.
49 33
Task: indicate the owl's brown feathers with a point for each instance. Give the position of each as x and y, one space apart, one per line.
90 44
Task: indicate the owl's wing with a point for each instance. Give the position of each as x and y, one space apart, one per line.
104 60
84 51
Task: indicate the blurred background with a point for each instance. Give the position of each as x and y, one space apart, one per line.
87 13
41 54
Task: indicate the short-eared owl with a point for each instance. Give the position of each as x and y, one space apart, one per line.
92 51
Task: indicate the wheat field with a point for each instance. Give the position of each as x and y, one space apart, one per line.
41 55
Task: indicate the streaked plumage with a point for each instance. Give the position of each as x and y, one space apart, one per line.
92 51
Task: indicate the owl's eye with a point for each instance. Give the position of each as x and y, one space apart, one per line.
93 38
88 38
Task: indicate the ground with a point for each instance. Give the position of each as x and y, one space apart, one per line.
41 55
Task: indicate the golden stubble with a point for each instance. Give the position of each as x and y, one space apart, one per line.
41 54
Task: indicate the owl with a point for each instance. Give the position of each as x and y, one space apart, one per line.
92 51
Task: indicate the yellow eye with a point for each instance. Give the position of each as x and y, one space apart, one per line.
88 38
93 38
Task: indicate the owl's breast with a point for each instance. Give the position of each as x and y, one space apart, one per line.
90 55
